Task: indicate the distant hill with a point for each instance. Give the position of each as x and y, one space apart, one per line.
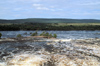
45 20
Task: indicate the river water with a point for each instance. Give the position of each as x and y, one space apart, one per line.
51 53
60 34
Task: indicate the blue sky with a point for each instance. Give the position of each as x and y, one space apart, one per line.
74 9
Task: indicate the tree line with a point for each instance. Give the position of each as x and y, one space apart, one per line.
46 26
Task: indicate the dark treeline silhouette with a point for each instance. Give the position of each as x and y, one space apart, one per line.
46 26
48 20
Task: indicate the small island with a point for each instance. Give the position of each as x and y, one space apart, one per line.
33 37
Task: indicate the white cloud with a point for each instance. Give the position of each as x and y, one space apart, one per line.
42 7
37 5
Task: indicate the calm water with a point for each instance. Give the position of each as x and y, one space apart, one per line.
60 34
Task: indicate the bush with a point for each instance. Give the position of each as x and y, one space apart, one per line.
47 34
30 32
50 35
42 34
34 34
0 35
54 35
19 36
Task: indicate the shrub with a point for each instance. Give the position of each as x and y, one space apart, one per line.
54 35
19 36
34 34
50 35
47 34
30 32
42 34
0 35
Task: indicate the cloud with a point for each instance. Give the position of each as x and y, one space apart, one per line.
42 7
37 5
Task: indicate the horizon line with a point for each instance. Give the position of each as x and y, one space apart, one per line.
49 18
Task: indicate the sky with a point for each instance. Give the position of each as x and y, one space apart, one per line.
73 9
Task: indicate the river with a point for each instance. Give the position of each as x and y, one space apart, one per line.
60 34
81 50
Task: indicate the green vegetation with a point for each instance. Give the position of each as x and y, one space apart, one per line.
19 36
0 35
50 26
34 34
44 20
42 34
50 35
54 35
45 34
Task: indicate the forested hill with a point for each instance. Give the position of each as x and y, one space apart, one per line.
44 20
